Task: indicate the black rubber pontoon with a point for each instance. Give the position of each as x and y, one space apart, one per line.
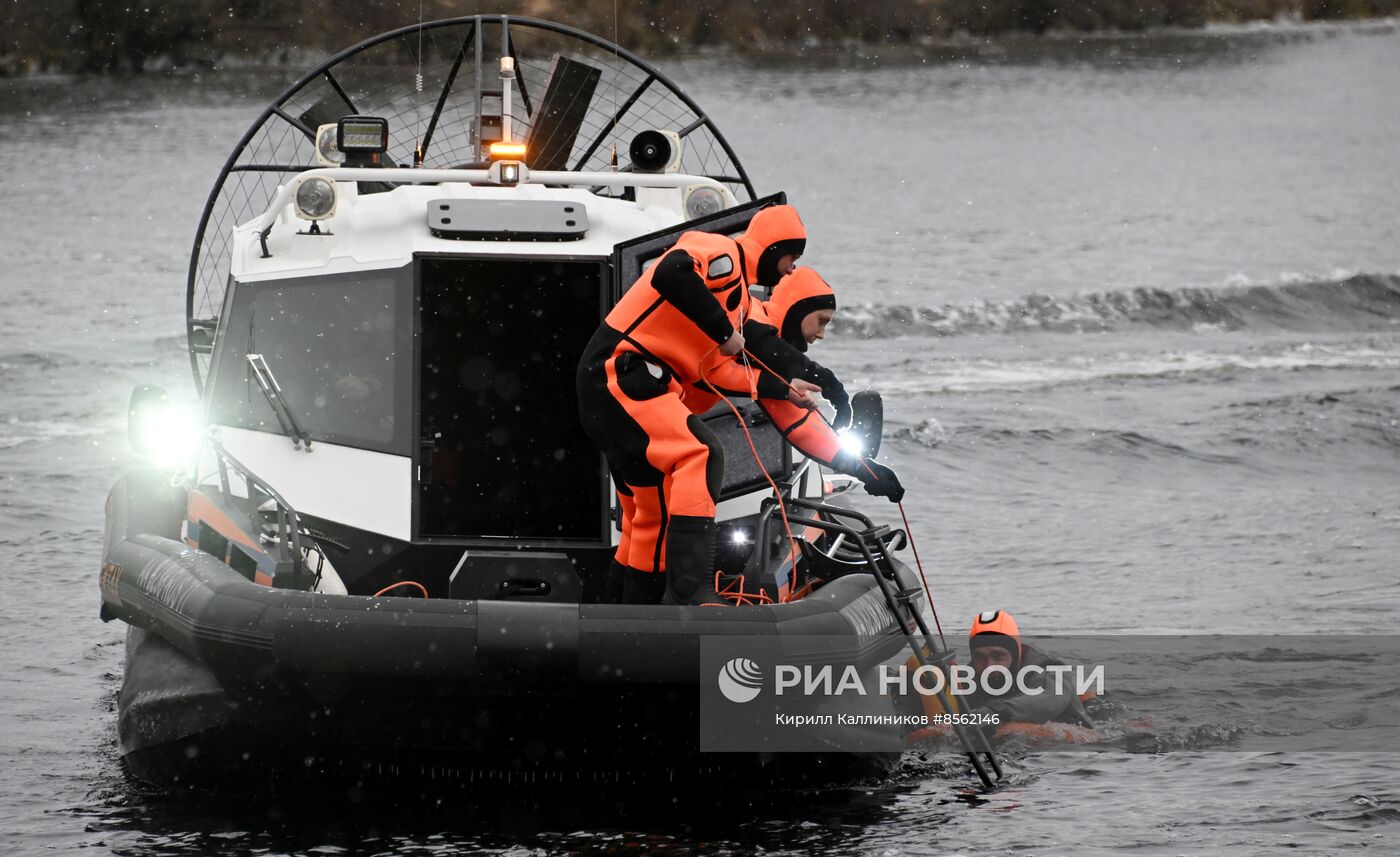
224 675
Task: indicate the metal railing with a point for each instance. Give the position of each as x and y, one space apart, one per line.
285 537
903 604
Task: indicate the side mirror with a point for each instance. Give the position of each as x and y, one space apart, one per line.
868 421
148 405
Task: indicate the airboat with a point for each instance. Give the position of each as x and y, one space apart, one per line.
383 555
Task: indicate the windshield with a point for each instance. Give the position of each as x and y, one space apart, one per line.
339 347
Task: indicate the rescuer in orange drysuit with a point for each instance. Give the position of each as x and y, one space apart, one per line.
681 322
772 244
800 306
652 368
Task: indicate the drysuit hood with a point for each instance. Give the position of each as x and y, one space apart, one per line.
773 233
717 261
996 628
794 298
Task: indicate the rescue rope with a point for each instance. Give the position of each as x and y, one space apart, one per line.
758 459
928 592
959 730
421 588
734 591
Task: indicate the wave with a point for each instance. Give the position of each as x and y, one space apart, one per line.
930 434
970 376
32 359
15 432
1252 434
1366 301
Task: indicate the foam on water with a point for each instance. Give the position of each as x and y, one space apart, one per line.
942 375
1371 301
16 432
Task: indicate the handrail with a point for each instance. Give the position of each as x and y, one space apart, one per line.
893 600
413 175
288 521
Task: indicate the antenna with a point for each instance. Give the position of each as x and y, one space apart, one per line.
418 102
616 61
507 78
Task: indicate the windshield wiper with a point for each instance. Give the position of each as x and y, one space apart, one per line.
267 382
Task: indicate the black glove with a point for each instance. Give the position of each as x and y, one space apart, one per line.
882 483
878 479
833 391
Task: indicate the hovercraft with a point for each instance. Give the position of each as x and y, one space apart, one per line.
383 556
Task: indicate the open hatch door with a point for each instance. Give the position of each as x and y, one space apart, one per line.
630 258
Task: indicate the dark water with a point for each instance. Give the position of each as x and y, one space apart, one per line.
1135 307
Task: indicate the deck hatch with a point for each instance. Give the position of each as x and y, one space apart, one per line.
507 220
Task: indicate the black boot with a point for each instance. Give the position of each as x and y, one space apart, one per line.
642 587
690 561
613 581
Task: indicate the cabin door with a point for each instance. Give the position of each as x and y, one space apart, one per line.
501 454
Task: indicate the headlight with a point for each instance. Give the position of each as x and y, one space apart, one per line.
508 173
702 201
315 199
327 152
166 434
363 135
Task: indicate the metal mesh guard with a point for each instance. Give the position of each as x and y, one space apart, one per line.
449 117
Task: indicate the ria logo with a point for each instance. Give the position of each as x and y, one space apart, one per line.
740 680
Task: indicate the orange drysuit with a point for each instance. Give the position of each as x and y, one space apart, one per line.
657 343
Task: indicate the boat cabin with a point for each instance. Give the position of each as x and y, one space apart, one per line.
391 285
407 385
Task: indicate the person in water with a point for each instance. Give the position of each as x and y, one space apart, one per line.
995 640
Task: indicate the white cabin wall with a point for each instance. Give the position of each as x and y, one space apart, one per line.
371 491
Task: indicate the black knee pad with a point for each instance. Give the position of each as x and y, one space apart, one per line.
639 378
714 467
